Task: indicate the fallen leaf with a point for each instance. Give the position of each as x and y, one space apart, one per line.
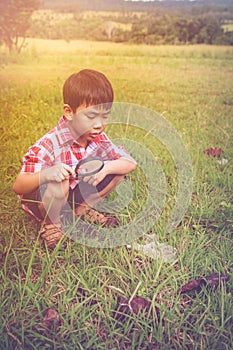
133 306
215 279
215 152
51 319
193 285
212 280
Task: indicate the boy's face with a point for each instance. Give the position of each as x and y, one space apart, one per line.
89 122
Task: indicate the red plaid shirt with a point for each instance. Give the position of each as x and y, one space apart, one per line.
59 146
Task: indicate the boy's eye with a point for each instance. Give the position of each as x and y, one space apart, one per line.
90 116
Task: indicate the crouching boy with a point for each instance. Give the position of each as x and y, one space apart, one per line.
47 180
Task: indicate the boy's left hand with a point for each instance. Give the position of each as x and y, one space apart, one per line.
95 179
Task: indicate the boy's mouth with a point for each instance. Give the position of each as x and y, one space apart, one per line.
93 135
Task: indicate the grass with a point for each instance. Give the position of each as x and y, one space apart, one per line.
191 86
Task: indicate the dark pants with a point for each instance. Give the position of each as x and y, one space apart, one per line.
75 197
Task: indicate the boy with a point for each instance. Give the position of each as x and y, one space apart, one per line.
47 180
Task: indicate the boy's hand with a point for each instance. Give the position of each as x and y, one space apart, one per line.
57 173
95 179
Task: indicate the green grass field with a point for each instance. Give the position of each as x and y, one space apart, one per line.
192 87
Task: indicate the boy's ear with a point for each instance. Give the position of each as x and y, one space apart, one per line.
68 112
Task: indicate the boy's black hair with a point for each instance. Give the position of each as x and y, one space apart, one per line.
87 87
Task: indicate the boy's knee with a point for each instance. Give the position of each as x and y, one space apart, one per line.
58 190
111 185
118 178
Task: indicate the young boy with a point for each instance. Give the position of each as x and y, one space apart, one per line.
47 180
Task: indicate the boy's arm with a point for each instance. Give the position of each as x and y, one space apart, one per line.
27 183
121 166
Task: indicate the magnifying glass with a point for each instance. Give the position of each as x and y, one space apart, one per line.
89 166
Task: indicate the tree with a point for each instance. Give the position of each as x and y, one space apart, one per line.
15 21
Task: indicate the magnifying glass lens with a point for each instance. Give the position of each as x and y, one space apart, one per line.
89 166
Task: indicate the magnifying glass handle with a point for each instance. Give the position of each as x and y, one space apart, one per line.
72 177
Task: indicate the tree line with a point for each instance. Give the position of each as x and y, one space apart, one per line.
157 27
19 20
167 29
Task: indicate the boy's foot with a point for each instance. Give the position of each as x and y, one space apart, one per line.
51 234
97 218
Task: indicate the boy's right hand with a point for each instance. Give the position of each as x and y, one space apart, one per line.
57 173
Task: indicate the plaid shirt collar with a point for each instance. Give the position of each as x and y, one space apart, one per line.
63 132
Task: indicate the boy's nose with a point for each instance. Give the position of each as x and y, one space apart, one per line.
98 123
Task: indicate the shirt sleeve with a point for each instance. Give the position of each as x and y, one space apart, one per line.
36 159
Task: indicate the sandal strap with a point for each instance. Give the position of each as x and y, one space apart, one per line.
93 216
97 218
51 234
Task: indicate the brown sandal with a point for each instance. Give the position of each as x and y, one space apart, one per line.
97 218
51 234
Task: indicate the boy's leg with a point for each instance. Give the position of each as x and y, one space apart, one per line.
84 209
53 200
